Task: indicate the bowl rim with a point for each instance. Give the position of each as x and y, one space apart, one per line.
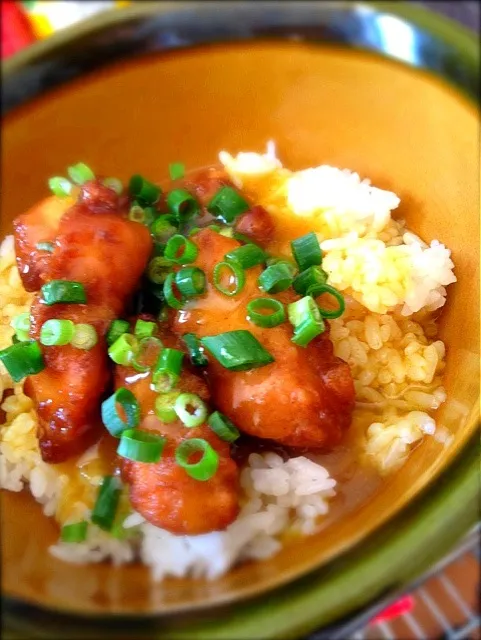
312 598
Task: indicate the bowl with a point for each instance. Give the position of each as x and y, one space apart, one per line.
384 89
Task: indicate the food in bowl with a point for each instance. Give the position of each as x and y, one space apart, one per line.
202 372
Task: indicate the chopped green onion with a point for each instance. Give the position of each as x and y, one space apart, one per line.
257 308
85 337
80 173
276 278
227 232
223 427
162 229
206 467
248 255
115 184
182 203
22 359
240 237
306 318
147 354
141 446
196 351
142 215
308 278
144 329
164 406
236 275
167 369
158 269
179 249
60 187
116 329
176 170
317 290
63 291
190 282
190 409
142 189
237 350
307 251
128 417
193 231
215 227
21 324
169 294
75 532
56 332
103 513
123 349
227 204
45 246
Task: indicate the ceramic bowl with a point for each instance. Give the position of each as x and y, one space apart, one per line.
383 89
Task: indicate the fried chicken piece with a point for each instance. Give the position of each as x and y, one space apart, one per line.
163 492
304 399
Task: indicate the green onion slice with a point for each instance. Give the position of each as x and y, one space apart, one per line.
116 329
310 277
248 255
147 354
206 467
143 190
317 290
227 204
115 184
75 532
237 350
196 350
229 278
22 359
85 337
144 329
162 229
80 173
158 269
123 349
191 282
276 278
164 406
190 409
105 508
45 246
307 251
56 332
21 324
171 297
182 203
307 320
121 411
223 427
141 446
64 291
60 187
181 250
142 215
176 170
167 369
266 312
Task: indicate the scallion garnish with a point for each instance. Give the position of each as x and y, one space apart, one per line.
57 332
182 203
206 467
247 256
116 329
115 184
123 349
75 532
276 278
237 350
308 278
307 251
170 295
305 316
143 190
180 250
317 290
45 246
162 229
164 406
158 269
85 337
266 312
144 329
63 291
105 507
190 409
176 170
127 417
60 187
22 359
21 324
229 278
142 215
141 446
167 369
227 232
227 204
196 351
223 427
147 354
80 173
190 282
